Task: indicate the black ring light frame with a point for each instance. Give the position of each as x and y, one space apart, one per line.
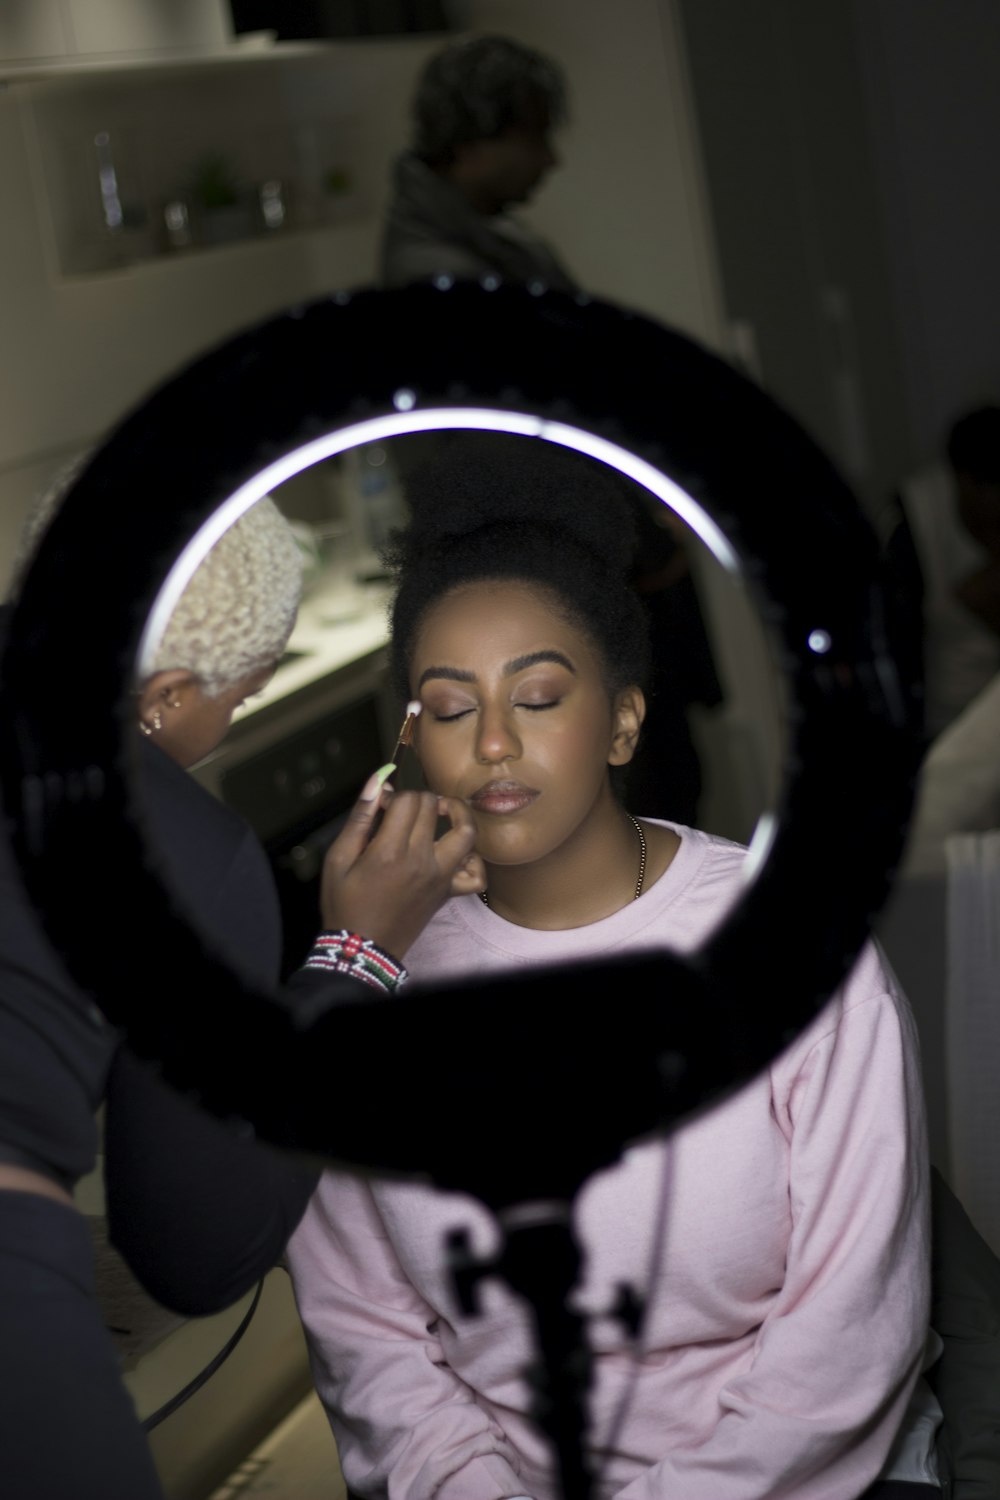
655 1037
549 1073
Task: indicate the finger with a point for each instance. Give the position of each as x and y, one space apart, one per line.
413 826
397 828
458 813
385 796
359 825
470 877
455 846
426 821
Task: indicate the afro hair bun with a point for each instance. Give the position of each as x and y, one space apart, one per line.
492 507
497 483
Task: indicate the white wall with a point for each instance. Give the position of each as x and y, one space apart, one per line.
794 200
933 104
626 208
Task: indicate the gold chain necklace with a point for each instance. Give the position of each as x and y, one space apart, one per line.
484 898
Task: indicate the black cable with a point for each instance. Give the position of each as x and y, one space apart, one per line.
169 1407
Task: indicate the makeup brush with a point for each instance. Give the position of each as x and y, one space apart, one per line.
402 743
406 733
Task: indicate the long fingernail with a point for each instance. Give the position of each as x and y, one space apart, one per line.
374 784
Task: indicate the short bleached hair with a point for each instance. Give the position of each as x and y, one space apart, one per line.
236 613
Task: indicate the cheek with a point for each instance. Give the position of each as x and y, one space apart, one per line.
440 764
582 743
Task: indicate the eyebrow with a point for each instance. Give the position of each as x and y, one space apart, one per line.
519 664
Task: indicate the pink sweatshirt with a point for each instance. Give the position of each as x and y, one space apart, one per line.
787 1322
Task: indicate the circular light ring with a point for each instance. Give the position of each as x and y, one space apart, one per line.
377 429
675 1032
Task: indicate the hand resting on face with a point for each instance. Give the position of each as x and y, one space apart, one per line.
388 884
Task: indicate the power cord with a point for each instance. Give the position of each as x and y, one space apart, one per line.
169 1407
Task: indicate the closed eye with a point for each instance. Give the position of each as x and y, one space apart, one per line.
450 718
537 708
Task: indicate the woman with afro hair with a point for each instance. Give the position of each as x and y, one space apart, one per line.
787 1315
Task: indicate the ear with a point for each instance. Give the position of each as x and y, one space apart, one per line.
628 711
164 693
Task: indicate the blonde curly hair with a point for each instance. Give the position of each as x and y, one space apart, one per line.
236 613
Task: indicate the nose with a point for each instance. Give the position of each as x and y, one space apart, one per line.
496 738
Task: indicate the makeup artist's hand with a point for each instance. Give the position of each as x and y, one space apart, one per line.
388 886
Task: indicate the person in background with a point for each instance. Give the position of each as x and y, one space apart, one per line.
787 1319
483 114
944 559
199 1211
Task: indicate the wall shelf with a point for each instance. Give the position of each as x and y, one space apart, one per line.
244 51
151 156
136 164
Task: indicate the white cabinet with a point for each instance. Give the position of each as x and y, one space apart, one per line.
40 31
32 29
116 26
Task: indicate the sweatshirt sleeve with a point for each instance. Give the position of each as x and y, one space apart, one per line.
840 1350
404 1422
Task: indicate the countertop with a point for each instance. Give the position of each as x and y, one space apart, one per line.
334 630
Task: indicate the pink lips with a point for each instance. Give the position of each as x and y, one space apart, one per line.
502 797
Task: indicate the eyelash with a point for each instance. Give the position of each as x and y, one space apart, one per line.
534 708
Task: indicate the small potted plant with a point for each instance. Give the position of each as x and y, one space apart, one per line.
222 207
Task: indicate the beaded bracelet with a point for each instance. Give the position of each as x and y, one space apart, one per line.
346 952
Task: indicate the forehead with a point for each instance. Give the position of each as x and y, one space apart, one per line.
492 622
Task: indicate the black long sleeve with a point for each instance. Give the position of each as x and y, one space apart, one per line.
199 1213
198 1210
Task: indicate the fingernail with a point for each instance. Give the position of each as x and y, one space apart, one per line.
374 784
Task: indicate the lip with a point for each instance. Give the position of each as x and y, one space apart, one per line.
500 797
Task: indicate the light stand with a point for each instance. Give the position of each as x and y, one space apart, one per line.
654 1037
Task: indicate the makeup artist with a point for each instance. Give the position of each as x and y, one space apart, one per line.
199 1212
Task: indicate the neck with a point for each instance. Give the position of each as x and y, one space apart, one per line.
479 198
591 875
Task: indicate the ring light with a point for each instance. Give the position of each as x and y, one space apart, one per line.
655 1036
376 430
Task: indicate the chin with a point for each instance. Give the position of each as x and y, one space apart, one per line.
499 850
